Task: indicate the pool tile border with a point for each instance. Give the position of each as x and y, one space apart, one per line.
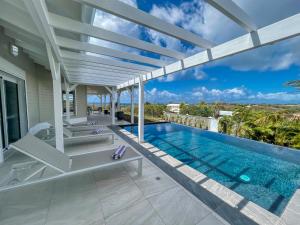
228 204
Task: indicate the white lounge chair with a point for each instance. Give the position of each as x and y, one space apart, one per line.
84 136
82 126
69 165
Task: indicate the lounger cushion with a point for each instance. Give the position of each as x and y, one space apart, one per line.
91 133
96 159
39 150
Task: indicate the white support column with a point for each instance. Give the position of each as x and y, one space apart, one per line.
112 110
57 100
67 101
118 100
132 104
101 102
141 110
58 112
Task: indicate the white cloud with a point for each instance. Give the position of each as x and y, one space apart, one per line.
219 95
241 94
282 96
161 96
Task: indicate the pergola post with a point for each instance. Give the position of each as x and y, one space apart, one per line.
141 110
57 96
132 105
57 100
101 102
113 105
67 100
118 100
104 102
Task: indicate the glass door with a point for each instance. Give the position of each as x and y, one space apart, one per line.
12 111
9 111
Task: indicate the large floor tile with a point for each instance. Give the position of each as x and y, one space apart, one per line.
213 219
20 214
176 207
82 208
111 186
123 196
153 181
138 214
74 184
30 194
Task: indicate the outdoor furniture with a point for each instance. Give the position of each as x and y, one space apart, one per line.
69 165
84 136
120 115
88 126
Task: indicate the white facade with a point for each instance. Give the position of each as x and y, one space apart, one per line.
225 113
175 108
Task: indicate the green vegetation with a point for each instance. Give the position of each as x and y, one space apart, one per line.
274 127
201 109
153 112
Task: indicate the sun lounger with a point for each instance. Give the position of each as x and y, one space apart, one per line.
87 126
84 136
69 165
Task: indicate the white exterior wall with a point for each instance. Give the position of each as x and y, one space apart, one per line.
45 94
81 100
38 83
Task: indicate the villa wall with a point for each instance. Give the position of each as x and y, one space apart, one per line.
38 83
45 94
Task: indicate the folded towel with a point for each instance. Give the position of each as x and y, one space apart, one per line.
119 152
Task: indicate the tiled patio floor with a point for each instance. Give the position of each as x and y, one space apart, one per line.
109 196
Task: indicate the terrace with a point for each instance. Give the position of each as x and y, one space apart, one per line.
48 67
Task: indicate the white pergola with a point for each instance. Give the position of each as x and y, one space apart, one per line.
49 42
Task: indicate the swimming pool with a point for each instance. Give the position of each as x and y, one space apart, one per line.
254 170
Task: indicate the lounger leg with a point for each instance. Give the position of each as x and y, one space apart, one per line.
140 167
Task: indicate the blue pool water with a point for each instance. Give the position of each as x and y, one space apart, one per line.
265 180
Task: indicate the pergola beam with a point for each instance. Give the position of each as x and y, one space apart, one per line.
91 65
91 82
135 15
270 34
234 12
110 62
102 69
87 47
98 72
74 26
98 77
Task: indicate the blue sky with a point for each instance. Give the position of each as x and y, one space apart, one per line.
257 76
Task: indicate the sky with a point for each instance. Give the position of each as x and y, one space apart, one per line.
256 76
